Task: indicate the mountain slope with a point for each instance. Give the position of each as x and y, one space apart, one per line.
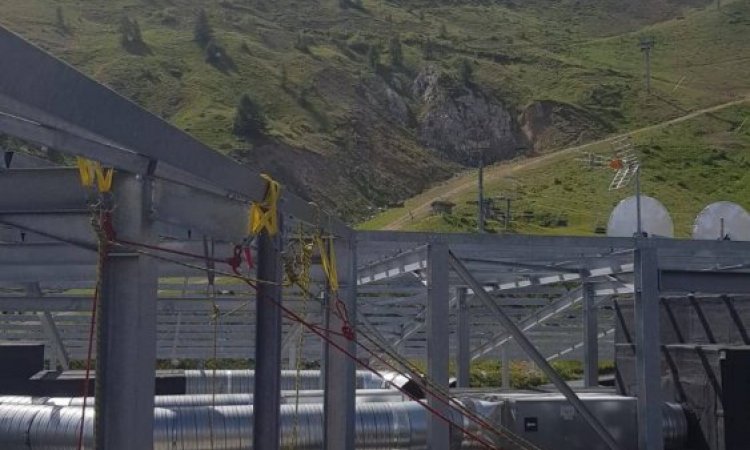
355 132
577 200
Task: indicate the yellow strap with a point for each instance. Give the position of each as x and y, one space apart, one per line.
328 261
264 215
91 171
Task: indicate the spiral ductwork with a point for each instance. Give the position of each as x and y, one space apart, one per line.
378 425
675 426
243 381
167 401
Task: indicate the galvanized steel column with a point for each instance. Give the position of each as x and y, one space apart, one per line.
438 285
340 370
463 331
126 328
267 392
590 337
648 349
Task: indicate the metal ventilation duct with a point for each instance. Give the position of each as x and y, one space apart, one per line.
243 381
378 425
168 401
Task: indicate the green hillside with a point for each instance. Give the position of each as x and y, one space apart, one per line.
352 126
686 166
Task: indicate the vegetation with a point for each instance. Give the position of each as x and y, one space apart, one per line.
395 51
685 166
203 33
249 121
329 110
488 372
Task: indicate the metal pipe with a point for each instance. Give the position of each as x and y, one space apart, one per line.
242 381
378 425
165 401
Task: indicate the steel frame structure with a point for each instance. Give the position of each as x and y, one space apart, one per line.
426 295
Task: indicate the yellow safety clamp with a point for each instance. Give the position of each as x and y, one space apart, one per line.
264 215
91 171
328 261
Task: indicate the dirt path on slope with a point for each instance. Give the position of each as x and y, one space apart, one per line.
466 181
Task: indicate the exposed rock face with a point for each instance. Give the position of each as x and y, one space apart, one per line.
384 97
458 118
551 125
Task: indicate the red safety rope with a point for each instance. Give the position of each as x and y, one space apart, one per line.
347 331
323 335
88 368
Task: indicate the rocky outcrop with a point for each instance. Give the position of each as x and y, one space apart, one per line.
386 98
459 118
550 125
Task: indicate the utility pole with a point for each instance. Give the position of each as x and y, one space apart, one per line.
480 181
647 44
507 212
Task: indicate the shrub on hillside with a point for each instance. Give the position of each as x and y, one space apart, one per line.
130 36
249 120
203 33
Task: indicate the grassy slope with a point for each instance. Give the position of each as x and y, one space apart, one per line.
686 166
535 50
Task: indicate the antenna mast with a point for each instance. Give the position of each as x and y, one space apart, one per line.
627 166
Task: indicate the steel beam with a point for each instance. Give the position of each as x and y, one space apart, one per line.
55 340
578 246
648 350
268 334
438 271
60 98
213 215
126 330
340 380
590 337
406 262
463 331
34 132
534 354
704 282
578 345
531 321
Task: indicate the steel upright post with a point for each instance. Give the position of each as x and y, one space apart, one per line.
590 337
648 349
340 369
463 331
505 366
268 342
126 328
438 431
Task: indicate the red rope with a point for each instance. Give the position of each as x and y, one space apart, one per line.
347 331
88 369
291 314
